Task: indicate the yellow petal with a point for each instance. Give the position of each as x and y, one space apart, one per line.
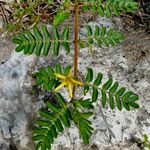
77 82
70 89
60 76
60 86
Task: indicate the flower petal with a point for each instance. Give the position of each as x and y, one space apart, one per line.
69 86
60 76
77 82
60 86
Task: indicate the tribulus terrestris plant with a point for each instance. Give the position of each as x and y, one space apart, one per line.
55 117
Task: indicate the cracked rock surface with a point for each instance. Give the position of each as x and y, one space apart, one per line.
128 63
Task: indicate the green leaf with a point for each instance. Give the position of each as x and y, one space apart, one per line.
89 30
104 98
40 131
65 120
134 105
97 31
84 103
42 123
103 31
127 95
101 10
38 137
118 102
120 91
39 145
46 115
66 37
56 43
114 87
47 43
133 98
94 95
53 131
50 85
54 108
67 69
87 115
111 101
19 48
89 76
16 40
32 39
58 125
39 38
49 139
25 42
126 105
98 80
50 71
108 84
61 99
58 68
89 33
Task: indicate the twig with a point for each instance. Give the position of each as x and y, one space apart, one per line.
3 13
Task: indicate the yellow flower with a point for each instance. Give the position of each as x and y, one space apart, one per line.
67 81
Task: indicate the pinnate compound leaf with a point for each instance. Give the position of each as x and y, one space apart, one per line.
52 121
40 42
84 125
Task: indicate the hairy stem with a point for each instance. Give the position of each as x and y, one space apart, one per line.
76 37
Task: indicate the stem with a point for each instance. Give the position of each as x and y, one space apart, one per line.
76 46
76 30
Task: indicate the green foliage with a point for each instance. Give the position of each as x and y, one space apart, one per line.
41 42
46 76
60 17
52 121
81 119
101 36
111 93
110 7
84 125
